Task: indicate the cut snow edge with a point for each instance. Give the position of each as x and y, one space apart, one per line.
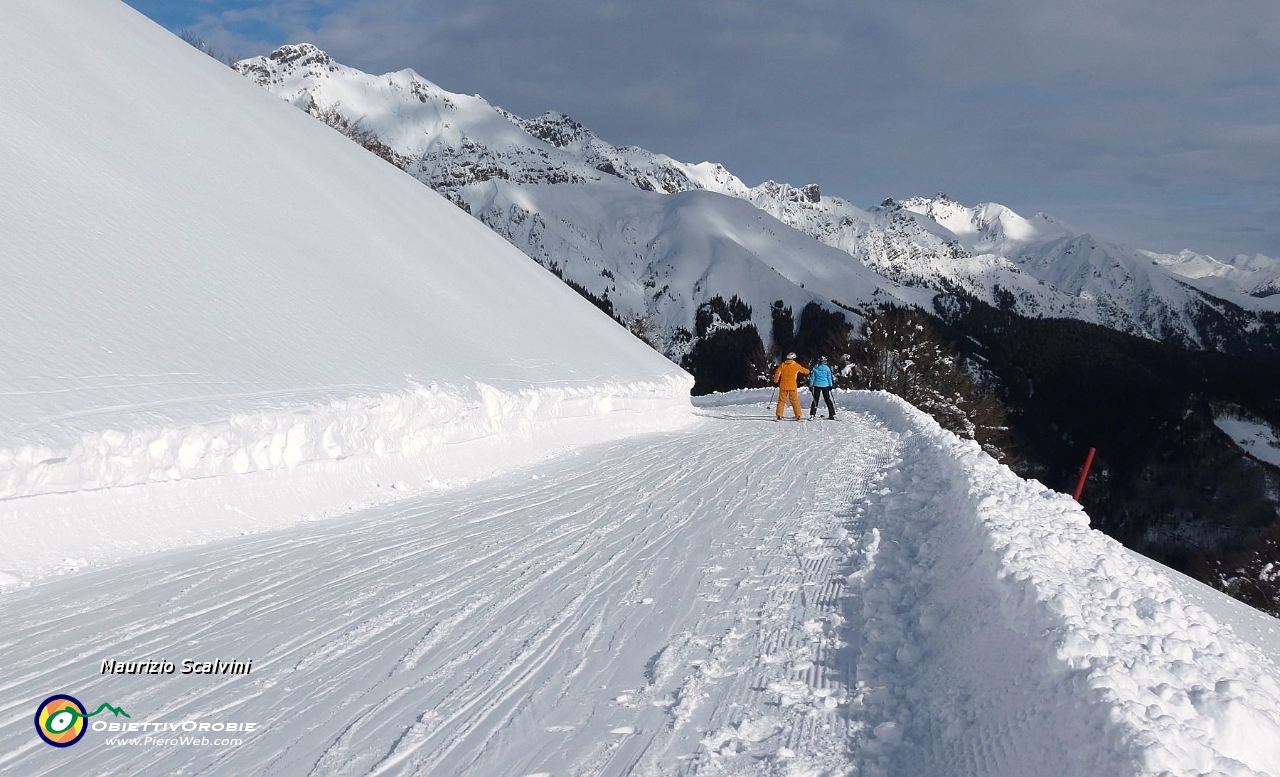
119 493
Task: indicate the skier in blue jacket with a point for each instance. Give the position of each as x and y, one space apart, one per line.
821 380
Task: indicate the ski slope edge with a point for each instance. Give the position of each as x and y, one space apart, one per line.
1000 592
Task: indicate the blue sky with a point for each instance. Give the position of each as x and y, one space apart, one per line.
1156 124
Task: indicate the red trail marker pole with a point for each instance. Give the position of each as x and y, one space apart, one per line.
1084 473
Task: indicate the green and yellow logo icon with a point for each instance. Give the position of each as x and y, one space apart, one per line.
61 719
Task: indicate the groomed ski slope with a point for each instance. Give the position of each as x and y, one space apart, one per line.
869 596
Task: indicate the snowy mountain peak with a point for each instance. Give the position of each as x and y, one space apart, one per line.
455 140
288 59
301 54
989 227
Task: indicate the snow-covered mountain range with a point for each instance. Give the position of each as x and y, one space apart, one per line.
657 237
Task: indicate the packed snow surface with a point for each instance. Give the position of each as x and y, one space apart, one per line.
743 597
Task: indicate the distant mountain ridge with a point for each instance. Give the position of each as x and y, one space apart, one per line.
597 215
1257 276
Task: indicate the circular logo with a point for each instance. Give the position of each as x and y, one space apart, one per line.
60 720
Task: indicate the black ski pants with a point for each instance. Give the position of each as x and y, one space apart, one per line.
825 393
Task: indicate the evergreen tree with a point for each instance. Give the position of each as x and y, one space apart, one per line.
902 352
783 330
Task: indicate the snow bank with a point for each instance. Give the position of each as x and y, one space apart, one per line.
411 422
997 607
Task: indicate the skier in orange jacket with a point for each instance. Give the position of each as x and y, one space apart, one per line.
788 391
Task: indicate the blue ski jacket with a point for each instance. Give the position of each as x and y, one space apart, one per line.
821 376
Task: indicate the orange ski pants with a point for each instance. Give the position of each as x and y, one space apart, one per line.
792 396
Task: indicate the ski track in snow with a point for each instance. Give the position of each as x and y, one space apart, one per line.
741 598
666 605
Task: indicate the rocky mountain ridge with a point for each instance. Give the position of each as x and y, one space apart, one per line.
590 211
